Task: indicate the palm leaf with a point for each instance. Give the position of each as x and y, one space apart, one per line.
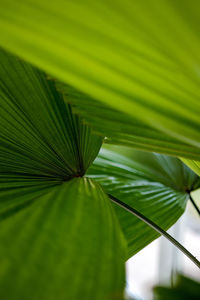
153 184
54 234
39 135
122 129
140 58
192 164
65 244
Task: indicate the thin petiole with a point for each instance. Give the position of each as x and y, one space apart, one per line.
155 227
194 204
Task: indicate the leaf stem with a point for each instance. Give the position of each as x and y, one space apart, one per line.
156 228
194 204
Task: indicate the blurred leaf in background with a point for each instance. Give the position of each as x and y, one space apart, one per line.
183 289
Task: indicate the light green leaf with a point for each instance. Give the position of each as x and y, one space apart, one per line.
66 244
155 185
139 57
192 164
39 135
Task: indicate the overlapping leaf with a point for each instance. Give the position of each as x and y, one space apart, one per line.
39 135
155 185
139 57
194 165
120 128
66 244
54 234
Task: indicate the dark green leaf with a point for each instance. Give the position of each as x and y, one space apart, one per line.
184 289
39 135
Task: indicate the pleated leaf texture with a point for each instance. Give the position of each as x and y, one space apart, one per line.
59 236
66 245
122 129
155 185
140 58
39 135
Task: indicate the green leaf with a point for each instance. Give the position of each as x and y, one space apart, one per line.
139 57
184 289
39 135
155 185
192 164
18 191
58 239
66 244
121 129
